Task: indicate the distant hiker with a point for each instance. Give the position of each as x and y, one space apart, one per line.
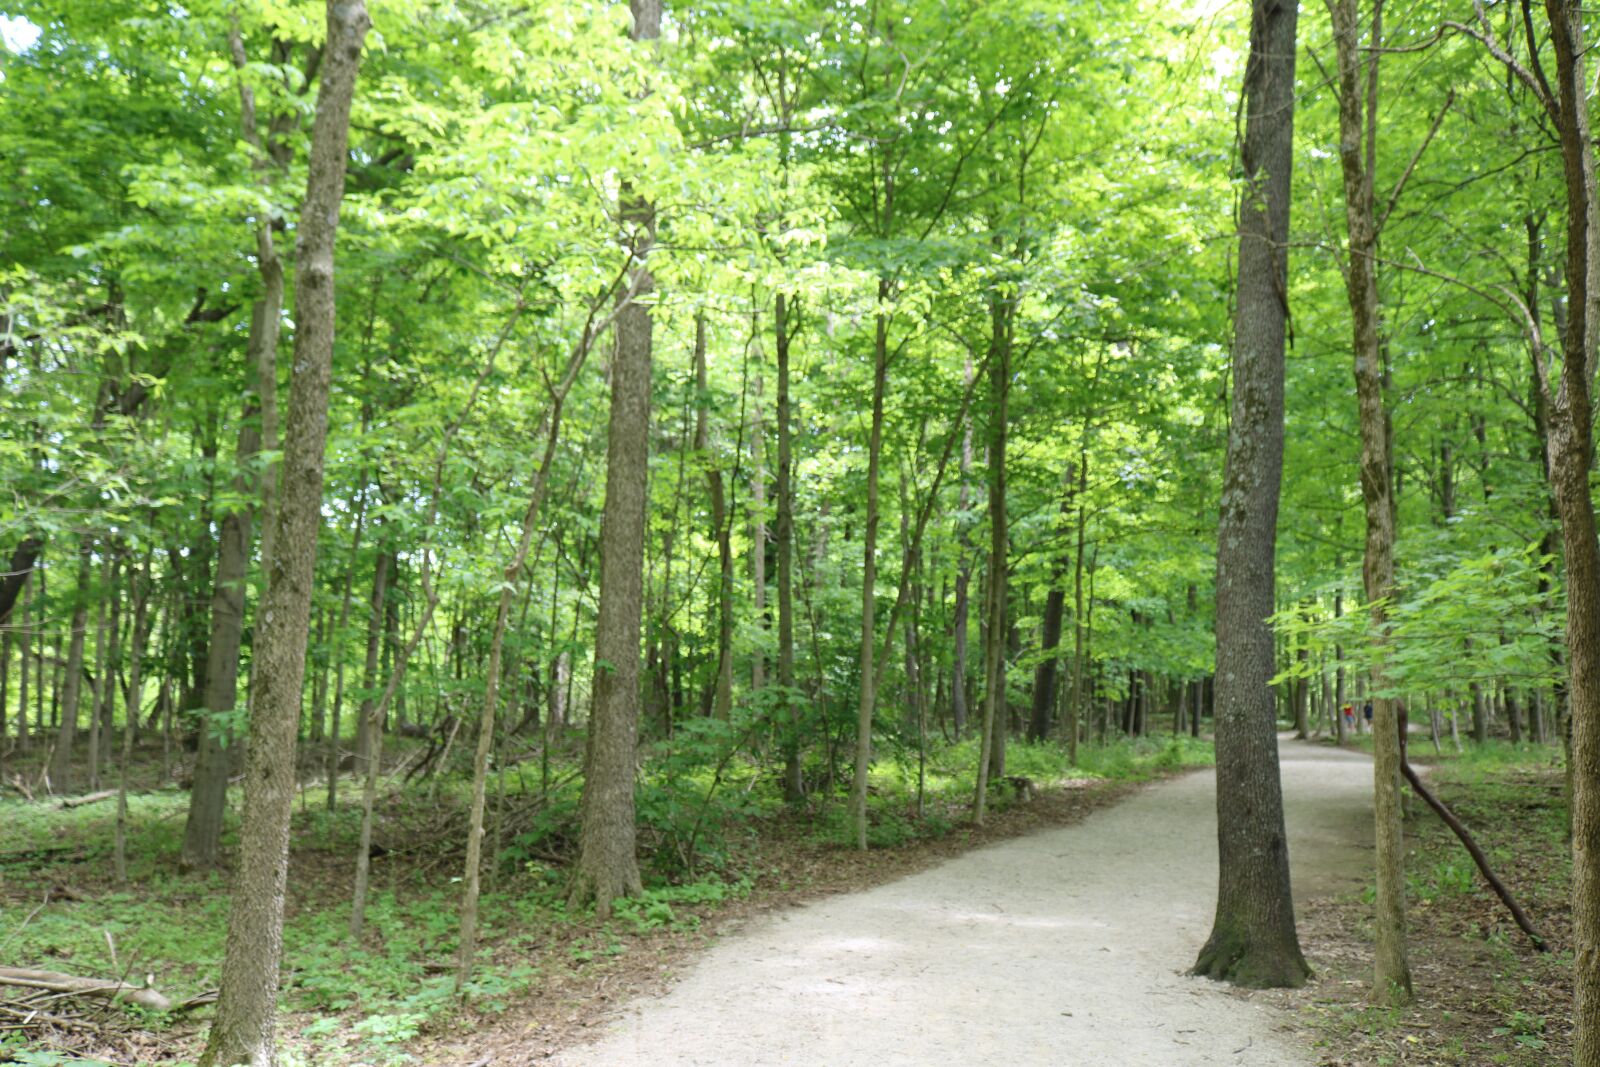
1349 711
1366 713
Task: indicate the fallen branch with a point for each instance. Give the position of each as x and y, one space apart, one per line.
1478 857
92 798
71 985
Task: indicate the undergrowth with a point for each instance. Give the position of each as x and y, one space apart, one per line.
704 809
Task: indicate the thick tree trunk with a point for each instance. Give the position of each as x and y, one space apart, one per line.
1253 940
1357 155
243 1032
1570 451
793 786
16 574
607 865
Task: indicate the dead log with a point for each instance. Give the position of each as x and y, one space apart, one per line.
1455 824
74 986
91 798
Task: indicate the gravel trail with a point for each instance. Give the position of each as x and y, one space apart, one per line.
1065 947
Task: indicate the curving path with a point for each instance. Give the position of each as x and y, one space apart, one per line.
1065 947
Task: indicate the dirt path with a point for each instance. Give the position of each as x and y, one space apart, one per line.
1065 948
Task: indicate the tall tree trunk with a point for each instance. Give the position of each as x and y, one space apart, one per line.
369 669
467 945
869 575
1078 707
1570 450
139 585
331 758
958 676
202 831
793 786
758 533
991 759
1358 158
1253 940
721 703
71 685
607 865
243 1032
1055 607
97 697
24 734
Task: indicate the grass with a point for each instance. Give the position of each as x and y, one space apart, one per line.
713 831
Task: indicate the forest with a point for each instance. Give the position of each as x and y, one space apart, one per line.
496 495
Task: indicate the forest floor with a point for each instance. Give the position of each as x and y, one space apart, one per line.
545 976
1483 995
1064 946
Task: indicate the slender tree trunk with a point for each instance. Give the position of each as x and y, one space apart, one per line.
24 734
869 575
793 785
1358 157
243 1032
139 591
467 946
1253 940
758 534
202 831
958 678
97 698
71 685
331 757
1055 606
1078 707
992 752
607 865
721 703
369 669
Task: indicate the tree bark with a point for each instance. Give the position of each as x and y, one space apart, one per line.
869 575
244 1032
607 865
1253 940
1571 447
1055 607
467 945
958 676
71 684
721 702
991 757
369 669
793 785
202 830
1358 157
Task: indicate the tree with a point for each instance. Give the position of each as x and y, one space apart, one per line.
607 866
1358 138
1253 940
244 1029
